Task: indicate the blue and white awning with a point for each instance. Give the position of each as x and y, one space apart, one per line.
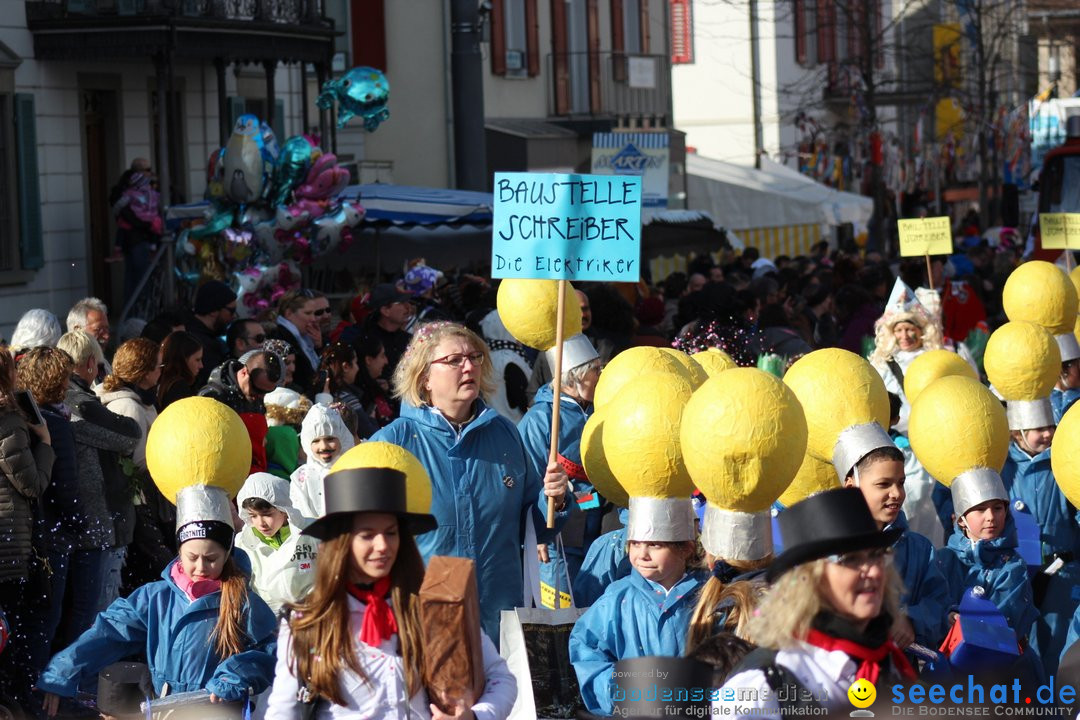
404 204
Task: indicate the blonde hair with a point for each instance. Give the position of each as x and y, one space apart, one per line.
885 345
411 373
81 345
744 596
784 614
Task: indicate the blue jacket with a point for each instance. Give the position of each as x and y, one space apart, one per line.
535 427
633 618
605 563
1073 634
482 482
159 620
1062 400
997 567
1031 480
926 593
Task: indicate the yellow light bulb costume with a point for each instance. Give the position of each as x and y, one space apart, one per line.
930 366
813 476
1023 362
395 457
743 439
629 364
714 361
1062 455
1040 292
528 309
846 406
640 437
959 433
198 453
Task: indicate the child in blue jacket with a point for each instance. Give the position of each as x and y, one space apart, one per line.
199 626
645 613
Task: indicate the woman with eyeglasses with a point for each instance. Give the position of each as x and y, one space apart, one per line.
824 622
297 323
482 478
181 363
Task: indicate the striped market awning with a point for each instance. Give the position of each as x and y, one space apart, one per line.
790 240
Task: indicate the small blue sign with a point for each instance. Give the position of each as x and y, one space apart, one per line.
567 227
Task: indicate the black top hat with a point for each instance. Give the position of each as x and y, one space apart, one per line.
380 490
834 521
122 687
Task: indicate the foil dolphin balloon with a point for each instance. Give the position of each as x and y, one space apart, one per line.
362 91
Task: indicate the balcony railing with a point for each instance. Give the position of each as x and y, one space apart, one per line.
291 12
610 84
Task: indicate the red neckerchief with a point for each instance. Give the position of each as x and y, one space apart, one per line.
871 658
379 622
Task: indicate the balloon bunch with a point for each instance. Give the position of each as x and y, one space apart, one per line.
271 209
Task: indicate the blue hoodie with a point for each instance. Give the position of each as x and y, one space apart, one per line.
633 618
535 427
1030 480
173 632
926 592
482 482
1062 400
605 563
997 567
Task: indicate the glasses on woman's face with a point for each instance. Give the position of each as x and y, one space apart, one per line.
861 560
457 360
260 338
320 312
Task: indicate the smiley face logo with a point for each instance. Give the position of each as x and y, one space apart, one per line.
862 693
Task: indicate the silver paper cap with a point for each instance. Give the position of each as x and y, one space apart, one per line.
661 519
855 443
203 502
733 535
976 486
577 350
1029 414
1070 349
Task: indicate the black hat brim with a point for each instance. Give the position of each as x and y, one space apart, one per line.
415 523
807 552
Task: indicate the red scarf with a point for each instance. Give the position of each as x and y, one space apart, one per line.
871 658
379 622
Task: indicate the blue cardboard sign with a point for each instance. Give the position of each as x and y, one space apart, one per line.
567 227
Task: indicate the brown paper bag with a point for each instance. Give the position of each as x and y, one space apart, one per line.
450 625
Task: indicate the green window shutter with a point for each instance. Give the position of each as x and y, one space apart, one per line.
279 120
236 109
30 244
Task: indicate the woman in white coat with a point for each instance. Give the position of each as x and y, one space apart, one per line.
355 640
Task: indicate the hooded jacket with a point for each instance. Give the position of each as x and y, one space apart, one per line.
25 471
1030 480
283 574
174 634
633 618
996 566
104 492
1062 400
926 592
127 402
482 481
306 491
605 562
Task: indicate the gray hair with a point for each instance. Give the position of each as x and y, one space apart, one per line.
36 327
77 316
574 376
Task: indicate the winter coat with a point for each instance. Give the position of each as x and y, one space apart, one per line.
1030 480
306 492
481 482
61 514
24 477
1062 400
895 385
104 491
633 618
926 593
605 563
535 427
173 632
384 697
996 566
126 402
283 574
1073 634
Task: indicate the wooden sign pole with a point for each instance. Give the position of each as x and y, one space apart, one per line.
929 273
556 381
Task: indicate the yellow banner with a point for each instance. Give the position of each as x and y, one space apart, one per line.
547 597
1060 230
925 236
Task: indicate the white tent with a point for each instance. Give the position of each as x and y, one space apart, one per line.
776 209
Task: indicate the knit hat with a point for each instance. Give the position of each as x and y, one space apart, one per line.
211 296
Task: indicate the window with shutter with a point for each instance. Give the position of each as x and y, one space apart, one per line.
31 249
498 37
516 39
682 32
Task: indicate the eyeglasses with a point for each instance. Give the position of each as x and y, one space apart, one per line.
261 337
320 312
862 559
457 360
